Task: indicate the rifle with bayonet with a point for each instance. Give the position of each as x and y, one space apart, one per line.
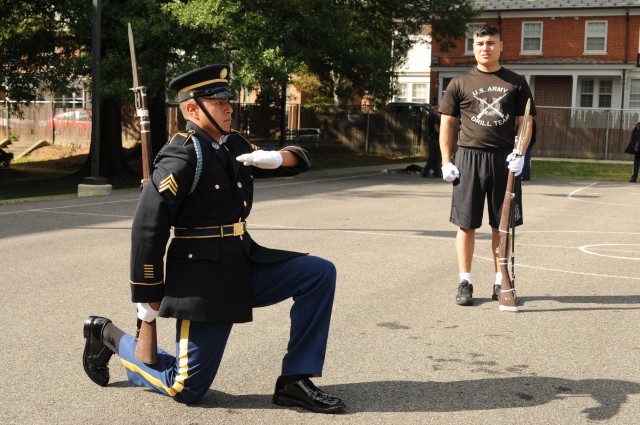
507 222
147 348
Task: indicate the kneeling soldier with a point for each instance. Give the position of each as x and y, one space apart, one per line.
215 274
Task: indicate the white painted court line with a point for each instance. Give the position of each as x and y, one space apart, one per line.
587 249
527 266
51 209
251 225
573 198
317 181
265 226
259 187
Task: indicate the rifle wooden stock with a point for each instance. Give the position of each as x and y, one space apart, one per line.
147 348
507 291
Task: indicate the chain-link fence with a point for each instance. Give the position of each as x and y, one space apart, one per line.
579 133
561 132
55 123
46 121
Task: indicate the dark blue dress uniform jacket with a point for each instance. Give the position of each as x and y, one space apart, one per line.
206 279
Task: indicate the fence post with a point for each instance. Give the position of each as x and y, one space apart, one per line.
8 118
53 123
366 141
606 137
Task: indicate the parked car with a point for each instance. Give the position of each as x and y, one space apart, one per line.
77 119
408 108
304 135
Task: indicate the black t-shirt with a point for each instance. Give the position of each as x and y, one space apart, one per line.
488 104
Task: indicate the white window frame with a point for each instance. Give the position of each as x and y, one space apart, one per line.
444 83
596 94
471 28
634 94
418 89
581 93
601 93
590 35
402 92
537 51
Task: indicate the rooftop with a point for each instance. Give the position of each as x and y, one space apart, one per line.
492 5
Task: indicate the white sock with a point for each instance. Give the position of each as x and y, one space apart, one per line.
498 278
467 277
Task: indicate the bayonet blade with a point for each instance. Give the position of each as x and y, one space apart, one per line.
134 66
523 130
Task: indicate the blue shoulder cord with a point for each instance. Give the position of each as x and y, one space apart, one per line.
196 177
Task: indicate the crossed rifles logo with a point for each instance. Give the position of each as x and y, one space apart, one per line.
490 109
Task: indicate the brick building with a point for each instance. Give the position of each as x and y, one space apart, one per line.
574 53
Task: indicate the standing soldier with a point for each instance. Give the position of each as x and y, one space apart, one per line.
490 102
215 274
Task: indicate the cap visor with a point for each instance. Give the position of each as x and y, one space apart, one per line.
221 95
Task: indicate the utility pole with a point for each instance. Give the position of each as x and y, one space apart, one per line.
95 185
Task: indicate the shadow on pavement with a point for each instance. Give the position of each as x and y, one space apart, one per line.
483 394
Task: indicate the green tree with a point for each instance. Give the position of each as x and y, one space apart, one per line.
45 45
350 47
38 48
347 44
154 42
378 40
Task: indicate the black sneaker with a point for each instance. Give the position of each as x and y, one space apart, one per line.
496 292
465 293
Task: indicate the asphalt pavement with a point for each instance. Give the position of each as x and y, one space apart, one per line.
400 350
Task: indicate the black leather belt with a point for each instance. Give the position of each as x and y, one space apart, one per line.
225 231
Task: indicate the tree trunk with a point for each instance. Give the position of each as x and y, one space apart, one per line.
158 117
113 163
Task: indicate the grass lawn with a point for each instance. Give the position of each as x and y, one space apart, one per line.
581 170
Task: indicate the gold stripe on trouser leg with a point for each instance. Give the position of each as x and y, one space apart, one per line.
183 364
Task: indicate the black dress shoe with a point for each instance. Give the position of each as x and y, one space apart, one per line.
304 394
96 356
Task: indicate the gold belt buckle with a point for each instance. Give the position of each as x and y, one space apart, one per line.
238 229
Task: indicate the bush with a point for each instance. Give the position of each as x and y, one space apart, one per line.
5 158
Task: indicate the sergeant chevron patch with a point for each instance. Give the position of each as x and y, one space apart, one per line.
170 184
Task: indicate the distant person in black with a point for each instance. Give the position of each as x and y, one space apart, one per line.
526 170
636 153
434 161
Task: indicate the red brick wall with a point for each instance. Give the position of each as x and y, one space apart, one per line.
562 37
553 90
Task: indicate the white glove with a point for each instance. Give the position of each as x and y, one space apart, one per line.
262 159
146 312
450 172
516 163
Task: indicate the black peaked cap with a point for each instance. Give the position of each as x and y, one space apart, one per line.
211 82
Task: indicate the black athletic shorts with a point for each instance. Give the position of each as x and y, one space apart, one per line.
483 175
